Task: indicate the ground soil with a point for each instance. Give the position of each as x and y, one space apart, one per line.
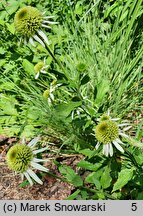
52 188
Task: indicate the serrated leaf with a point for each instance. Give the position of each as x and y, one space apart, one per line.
124 177
106 178
71 176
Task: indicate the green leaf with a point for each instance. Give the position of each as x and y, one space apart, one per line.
85 79
71 176
87 152
28 131
73 196
123 178
102 89
140 196
23 184
78 8
65 109
106 178
94 179
89 166
11 27
28 66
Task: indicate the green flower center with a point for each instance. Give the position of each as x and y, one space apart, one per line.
19 157
106 131
27 21
38 66
104 117
46 94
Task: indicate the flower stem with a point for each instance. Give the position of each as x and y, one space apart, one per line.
54 58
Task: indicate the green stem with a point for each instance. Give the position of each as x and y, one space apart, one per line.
54 58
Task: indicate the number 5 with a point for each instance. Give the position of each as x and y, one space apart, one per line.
134 207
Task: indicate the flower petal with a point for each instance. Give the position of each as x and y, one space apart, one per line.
105 149
37 75
38 40
31 41
123 124
111 149
127 128
28 178
50 22
44 37
37 160
47 17
115 119
118 146
46 26
33 142
97 145
119 141
124 135
39 167
39 150
34 176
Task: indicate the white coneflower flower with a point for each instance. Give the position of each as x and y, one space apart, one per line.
21 158
48 93
40 67
29 21
107 132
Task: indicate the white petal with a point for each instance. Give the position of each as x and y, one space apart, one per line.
52 96
39 167
46 66
38 40
97 145
124 124
28 178
118 146
106 149
31 41
43 35
50 22
115 119
34 176
22 176
37 75
39 150
43 71
33 142
124 135
47 17
119 141
108 112
25 41
127 128
111 150
46 26
72 114
39 160
49 101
